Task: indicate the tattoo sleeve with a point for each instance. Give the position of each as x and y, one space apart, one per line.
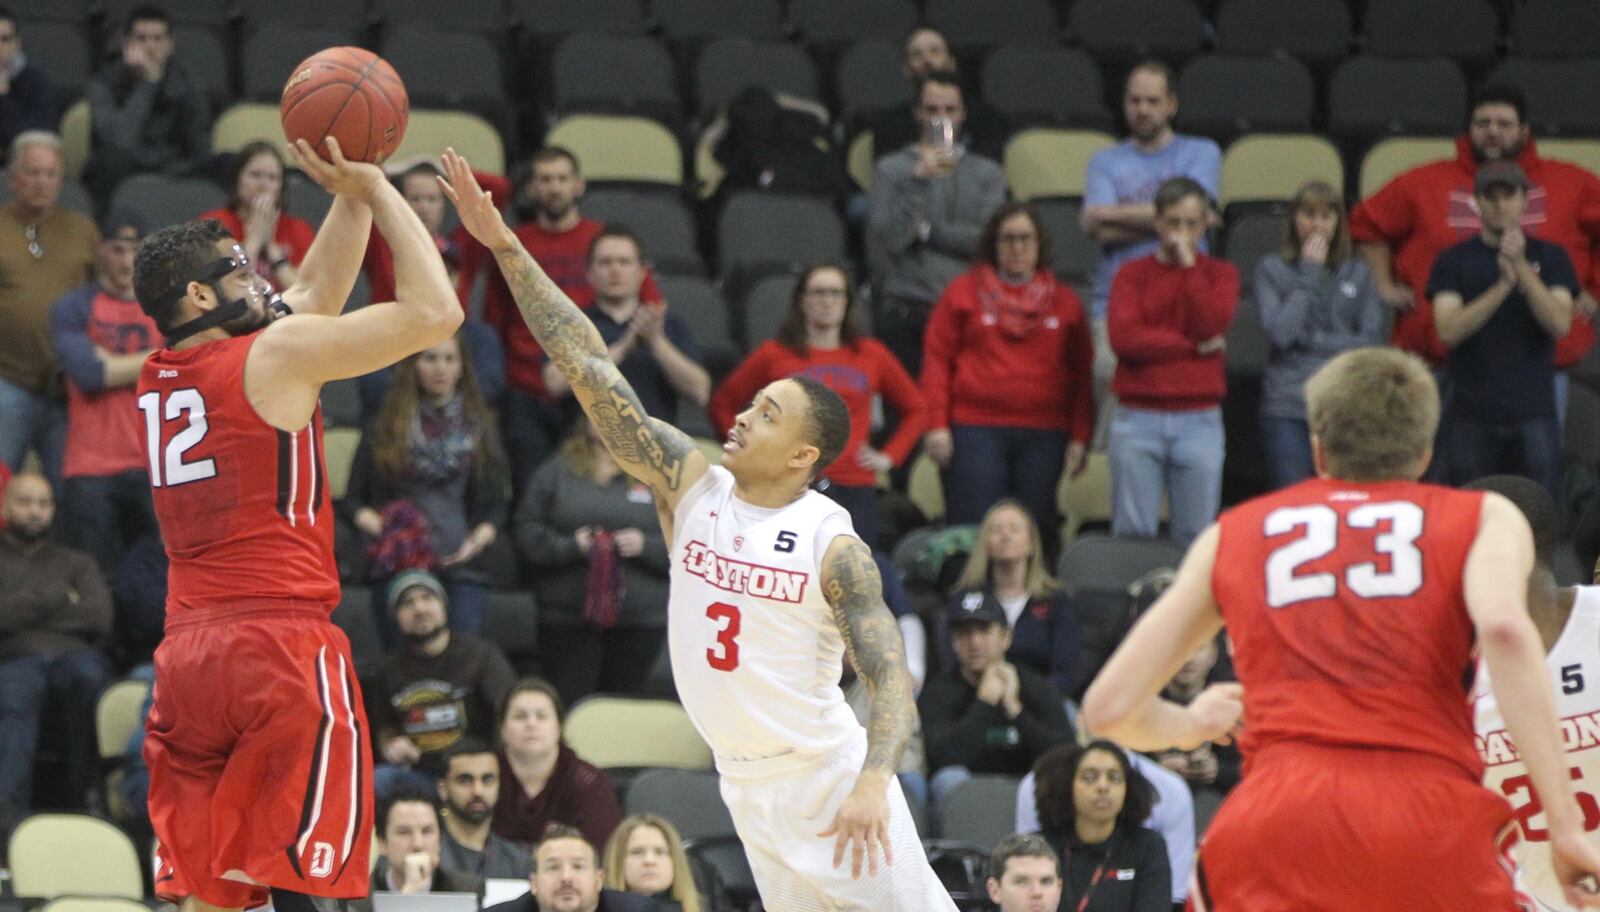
872 640
652 451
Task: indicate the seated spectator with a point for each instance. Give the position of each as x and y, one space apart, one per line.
542 781
45 252
1092 805
1008 371
428 483
645 856
930 199
55 618
469 788
1212 770
984 129
1500 302
1024 875
567 878
654 349
101 337
986 715
1006 572
1316 301
148 113
440 687
27 99
821 339
275 240
1168 322
591 533
408 838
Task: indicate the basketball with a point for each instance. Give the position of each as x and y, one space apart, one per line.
348 93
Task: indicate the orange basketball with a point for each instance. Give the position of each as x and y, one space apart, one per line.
348 93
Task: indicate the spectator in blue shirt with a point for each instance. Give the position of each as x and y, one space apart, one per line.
1500 301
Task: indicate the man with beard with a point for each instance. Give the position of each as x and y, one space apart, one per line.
567 878
469 787
900 125
55 615
1403 227
439 688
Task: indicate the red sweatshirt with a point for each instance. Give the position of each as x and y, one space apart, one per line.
975 373
856 374
1431 207
1157 315
471 255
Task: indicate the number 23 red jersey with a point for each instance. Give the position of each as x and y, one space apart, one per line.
244 507
1345 605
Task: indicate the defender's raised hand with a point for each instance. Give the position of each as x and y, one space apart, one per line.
474 206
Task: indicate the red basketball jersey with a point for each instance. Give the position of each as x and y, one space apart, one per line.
243 506
1345 605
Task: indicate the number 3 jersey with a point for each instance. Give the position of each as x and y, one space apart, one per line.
1573 661
1344 602
756 654
244 507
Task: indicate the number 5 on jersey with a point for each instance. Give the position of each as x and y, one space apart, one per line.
1401 522
724 654
167 465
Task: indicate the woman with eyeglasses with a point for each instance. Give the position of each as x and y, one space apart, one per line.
274 240
819 338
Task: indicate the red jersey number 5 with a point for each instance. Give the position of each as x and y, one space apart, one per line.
724 656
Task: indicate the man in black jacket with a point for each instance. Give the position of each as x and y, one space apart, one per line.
986 715
567 878
408 834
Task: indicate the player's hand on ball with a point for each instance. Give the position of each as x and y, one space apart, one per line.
1214 715
862 825
337 174
1577 865
474 206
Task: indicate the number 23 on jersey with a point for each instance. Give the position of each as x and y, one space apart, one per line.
1396 571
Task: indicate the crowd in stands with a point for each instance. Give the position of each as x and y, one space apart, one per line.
956 337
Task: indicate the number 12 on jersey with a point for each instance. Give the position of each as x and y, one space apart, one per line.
1319 527
166 463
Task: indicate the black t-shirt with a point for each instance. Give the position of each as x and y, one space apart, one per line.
1504 372
640 367
434 700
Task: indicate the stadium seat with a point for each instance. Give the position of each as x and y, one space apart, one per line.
305 198
1556 104
727 66
1316 31
760 232
1050 162
205 56
440 16
832 23
74 130
858 160
1390 157
1045 86
1555 28
547 18
93 904
924 489
662 222
708 171
62 50
765 305
981 810
1251 236
1584 152
625 149
1225 95
339 450
695 300
448 69
977 27
1466 30
213 15
116 716
274 47
1371 96
1085 499
167 200
247 122
345 16
1248 347
614 74
613 731
341 407
353 615
690 799
72 855
725 856
1108 563
868 79
1075 254
1124 30
1265 168
79 11
1582 425
694 21
511 622
429 132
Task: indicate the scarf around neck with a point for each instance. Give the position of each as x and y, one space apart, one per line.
1018 310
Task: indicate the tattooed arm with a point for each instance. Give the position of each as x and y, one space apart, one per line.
652 451
851 584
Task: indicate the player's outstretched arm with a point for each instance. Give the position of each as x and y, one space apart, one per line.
1123 703
851 584
324 279
652 451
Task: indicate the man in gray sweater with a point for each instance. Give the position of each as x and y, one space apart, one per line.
929 203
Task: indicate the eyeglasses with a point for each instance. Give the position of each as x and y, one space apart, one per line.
33 242
838 293
1018 238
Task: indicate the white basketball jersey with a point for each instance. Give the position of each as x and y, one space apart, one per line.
1574 664
756 654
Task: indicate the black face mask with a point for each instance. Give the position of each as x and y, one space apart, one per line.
233 316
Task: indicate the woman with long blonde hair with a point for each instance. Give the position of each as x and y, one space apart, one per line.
645 856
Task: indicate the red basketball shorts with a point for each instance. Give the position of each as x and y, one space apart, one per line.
1317 829
260 762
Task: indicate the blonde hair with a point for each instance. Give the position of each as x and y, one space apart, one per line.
975 575
682 889
1374 411
1319 193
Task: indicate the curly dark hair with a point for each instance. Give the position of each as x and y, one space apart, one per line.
827 422
1054 773
169 257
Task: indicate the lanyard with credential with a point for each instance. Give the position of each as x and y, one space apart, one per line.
1094 879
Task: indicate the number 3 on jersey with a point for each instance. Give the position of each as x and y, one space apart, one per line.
724 656
166 464
1319 536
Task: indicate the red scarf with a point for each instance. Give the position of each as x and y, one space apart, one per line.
603 597
1016 309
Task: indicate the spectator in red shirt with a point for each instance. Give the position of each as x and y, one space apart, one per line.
275 240
1168 318
819 338
1007 368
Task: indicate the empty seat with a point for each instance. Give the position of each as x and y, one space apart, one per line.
62 51
439 16
614 731
205 57
1316 31
614 74
212 15
1043 85
1402 153
729 65
838 22
1085 499
978 26
75 130
79 11
662 222
701 20
858 160
1225 95
116 716
1466 30
725 857
561 17
93 904
1556 104
347 16
273 48
305 198
1555 28
1108 563
72 854
1585 152
981 810
511 621
868 78
691 799
1073 252
428 132
696 301
1048 162
1270 168
245 123
765 306
1252 236
1248 346
447 69
1123 30
1581 429
629 149
167 200
762 232
1371 96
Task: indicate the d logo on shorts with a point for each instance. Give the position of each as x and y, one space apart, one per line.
321 860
